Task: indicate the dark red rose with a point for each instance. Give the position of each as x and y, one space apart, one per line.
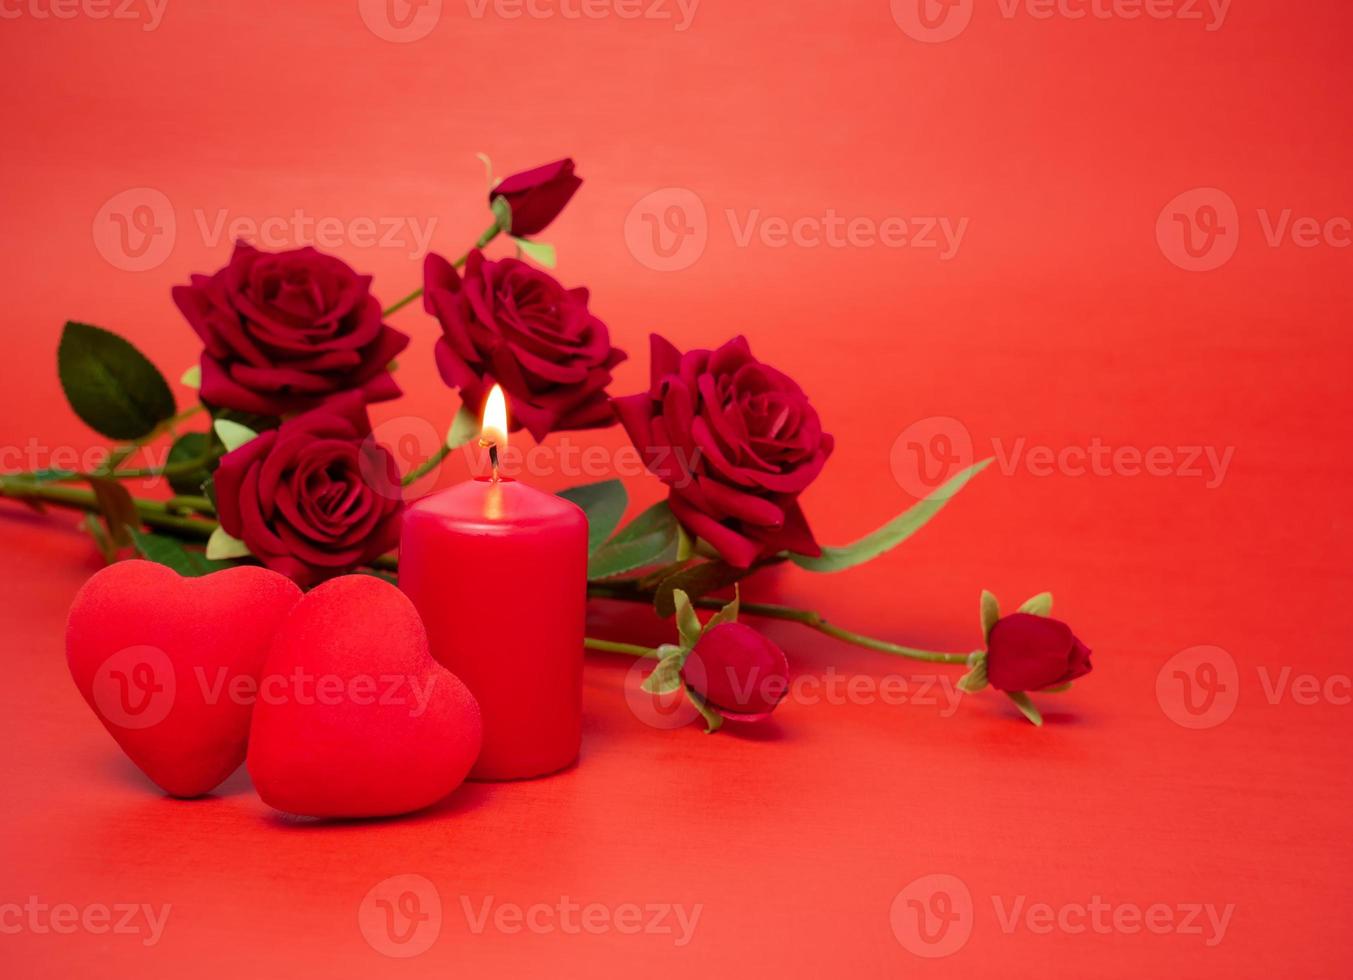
285 331
737 442
738 671
314 498
537 196
1030 653
510 323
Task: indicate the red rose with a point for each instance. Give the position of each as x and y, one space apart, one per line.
298 496
537 196
1030 653
285 331
510 323
737 442
738 671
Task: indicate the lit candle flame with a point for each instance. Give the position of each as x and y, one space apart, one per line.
493 428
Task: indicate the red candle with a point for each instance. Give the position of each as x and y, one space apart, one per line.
498 571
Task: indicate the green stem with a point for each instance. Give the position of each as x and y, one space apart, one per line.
489 235
430 464
121 454
154 513
805 617
611 646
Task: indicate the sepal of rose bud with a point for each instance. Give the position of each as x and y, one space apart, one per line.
976 677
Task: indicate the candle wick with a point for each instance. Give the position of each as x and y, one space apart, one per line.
493 460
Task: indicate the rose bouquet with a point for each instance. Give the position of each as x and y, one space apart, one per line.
286 471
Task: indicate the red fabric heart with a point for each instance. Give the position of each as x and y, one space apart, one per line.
169 664
354 717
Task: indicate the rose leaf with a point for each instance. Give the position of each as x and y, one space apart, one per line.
111 385
891 534
171 553
222 545
604 504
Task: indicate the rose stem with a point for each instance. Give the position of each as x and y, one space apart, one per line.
154 513
611 646
489 235
119 455
806 617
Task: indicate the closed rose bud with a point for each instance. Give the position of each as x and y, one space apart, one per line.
738 671
1030 653
537 196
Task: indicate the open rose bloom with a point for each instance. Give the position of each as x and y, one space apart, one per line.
283 332
736 441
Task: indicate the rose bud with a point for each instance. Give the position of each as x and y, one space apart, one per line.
301 496
510 323
738 671
1030 653
537 196
736 441
284 332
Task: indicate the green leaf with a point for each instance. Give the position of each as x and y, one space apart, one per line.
891 534
728 614
233 435
110 384
192 378
604 504
991 611
642 542
171 553
464 427
1026 706
666 677
117 507
1039 605
688 623
695 581
538 252
222 545
502 212
186 448
976 677
51 475
685 545
713 720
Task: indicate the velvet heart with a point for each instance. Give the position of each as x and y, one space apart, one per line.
354 717
170 664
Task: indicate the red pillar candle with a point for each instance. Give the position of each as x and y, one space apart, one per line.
498 571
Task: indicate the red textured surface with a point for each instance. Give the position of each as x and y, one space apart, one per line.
1059 321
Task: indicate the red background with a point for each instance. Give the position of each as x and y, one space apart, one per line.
1060 321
